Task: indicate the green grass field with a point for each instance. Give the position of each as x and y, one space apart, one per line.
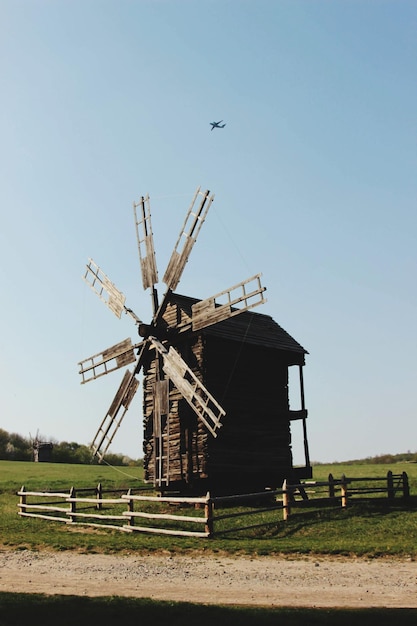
364 528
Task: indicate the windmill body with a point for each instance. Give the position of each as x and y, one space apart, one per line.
215 375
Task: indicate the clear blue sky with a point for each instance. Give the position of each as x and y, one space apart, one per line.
315 183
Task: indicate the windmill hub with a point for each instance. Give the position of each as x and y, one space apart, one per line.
145 330
159 331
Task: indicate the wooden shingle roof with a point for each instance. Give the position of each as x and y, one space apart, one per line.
252 328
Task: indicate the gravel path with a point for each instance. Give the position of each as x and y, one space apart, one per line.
271 581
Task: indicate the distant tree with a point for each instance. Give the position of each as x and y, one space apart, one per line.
18 448
65 452
14 447
117 459
4 438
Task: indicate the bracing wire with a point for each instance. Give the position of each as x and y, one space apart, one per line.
231 239
119 470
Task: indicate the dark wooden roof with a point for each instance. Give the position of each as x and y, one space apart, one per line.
253 328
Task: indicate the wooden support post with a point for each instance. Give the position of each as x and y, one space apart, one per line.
286 509
390 486
130 508
406 486
344 491
99 494
303 406
73 508
208 512
331 486
23 499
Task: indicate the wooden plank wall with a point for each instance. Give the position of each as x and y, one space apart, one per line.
253 448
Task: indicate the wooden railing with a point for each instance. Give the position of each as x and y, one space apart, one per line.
94 507
178 502
203 516
349 489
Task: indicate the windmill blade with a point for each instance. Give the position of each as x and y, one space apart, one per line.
144 237
107 361
112 420
187 237
228 303
193 391
106 290
122 400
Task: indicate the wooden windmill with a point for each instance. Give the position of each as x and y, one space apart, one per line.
215 375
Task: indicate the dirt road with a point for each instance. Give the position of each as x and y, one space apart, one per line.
271 581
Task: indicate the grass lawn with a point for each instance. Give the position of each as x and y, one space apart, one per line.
364 528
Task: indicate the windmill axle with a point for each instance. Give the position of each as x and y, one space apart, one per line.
158 331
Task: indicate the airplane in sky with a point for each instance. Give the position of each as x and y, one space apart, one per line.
217 125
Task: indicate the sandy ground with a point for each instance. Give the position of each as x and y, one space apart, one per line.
266 581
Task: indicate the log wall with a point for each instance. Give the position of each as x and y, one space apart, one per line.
253 448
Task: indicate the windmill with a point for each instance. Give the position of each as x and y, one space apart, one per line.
181 349
42 450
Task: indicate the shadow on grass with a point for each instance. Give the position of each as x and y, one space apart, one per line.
309 515
17 609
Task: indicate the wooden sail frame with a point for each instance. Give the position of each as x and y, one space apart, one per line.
107 361
145 243
192 390
112 420
194 220
212 311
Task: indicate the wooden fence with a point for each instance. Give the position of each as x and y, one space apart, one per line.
313 492
205 516
118 509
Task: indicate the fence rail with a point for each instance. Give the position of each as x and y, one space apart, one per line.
135 512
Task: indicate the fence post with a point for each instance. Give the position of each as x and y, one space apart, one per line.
73 505
130 508
286 509
23 499
208 512
331 486
99 495
390 485
344 491
406 486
